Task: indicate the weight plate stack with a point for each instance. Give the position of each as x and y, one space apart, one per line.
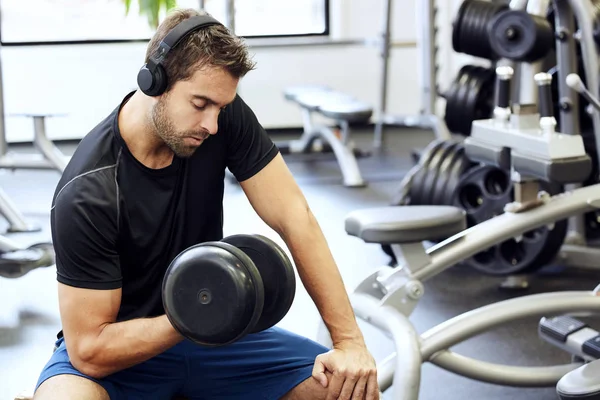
469 31
469 98
433 180
483 192
435 177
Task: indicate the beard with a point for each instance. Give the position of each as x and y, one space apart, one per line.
165 129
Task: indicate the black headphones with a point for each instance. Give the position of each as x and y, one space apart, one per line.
152 78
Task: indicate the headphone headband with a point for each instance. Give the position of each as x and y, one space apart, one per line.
152 78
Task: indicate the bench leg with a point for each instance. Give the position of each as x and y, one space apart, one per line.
13 216
345 157
54 156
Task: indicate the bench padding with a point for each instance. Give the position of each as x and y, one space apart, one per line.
405 224
330 103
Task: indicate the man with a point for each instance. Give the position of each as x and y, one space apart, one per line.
147 183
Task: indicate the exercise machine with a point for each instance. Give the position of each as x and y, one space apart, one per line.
525 139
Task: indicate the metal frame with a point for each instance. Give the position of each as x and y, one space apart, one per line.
387 297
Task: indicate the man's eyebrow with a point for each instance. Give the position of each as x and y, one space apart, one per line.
208 99
205 98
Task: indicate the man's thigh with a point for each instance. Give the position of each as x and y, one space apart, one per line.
70 387
158 378
265 365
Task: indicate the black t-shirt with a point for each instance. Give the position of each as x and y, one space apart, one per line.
118 224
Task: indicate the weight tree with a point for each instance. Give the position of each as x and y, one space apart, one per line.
445 175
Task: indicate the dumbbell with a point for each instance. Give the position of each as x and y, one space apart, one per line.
215 293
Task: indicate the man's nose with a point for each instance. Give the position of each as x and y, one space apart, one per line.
210 122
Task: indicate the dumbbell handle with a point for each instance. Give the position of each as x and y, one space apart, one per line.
545 106
504 77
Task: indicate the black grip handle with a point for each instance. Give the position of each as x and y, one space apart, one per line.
545 105
503 84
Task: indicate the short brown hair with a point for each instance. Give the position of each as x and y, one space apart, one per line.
214 45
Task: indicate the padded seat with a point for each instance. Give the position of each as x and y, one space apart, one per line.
405 224
330 103
292 92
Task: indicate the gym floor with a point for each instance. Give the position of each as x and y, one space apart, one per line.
26 341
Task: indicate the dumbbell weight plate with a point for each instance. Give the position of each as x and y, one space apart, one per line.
277 274
213 294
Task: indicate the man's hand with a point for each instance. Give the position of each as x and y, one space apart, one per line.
353 373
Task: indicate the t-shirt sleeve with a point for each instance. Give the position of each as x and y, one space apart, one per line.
249 147
84 224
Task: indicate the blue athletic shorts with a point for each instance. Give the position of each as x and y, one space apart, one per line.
264 365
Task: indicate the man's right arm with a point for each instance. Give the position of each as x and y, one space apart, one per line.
97 345
85 231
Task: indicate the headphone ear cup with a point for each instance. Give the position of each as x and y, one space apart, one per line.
145 80
152 84
160 81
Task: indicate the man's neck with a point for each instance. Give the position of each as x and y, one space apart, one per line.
139 134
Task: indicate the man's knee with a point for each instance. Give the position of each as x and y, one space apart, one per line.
68 387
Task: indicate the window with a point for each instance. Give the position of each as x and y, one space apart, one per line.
68 21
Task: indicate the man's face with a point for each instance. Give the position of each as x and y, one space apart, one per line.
187 115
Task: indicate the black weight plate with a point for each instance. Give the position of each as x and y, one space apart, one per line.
592 225
277 274
213 294
483 193
469 34
480 99
457 25
551 240
417 189
469 101
431 178
403 196
444 173
520 36
461 119
452 116
460 166
485 96
471 97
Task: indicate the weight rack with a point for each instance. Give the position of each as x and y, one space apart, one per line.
575 250
428 52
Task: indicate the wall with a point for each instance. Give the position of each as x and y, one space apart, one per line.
86 82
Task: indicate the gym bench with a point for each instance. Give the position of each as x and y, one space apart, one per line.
49 157
343 109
